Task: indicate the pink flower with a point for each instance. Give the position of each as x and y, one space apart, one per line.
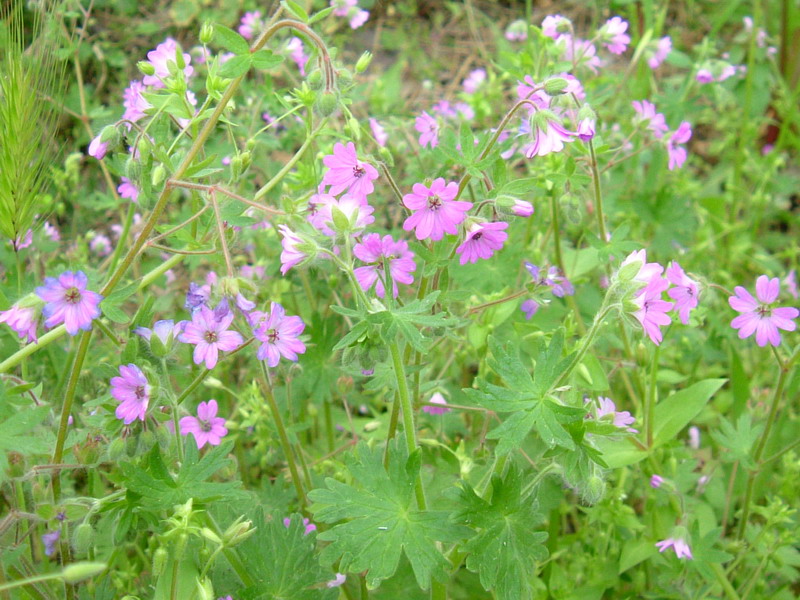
482 240
517 31
23 320
134 102
613 35
342 7
100 245
704 76
758 316
428 128
791 283
646 270
677 153
522 208
656 481
337 581
280 336
530 90
291 255
210 334
250 24
377 252
581 53
297 54
620 419
657 56
98 149
474 80
681 548
165 53
548 135
126 189
347 173
356 209
436 211
647 114
554 26
23 241
306 523
132 390
586 129
652 313
684 293
206 427
69 302
357 17
51 231
437 398
378 132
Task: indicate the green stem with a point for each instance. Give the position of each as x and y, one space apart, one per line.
285 444
107 332
651 399
729 590
762 444
123 238
598 196
29 581
586 342
408 417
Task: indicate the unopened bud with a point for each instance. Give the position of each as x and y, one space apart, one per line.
327 104
363 62
116 449
354 128
206 33
344 78
595 490
238 532
386 157
160 557
158 175
179 58
145 147
146 68
81 571
555 86
110 135
210 535
642 358
82 538
314 79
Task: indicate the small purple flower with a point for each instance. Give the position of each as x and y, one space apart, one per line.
23 241
758 316
97 148
791 284
306 523
50 541
685 293
23 320
552 278
280 336
680 547
206 427
126 189
555 26
51 231
428 128
355 208
481 241
522 208
581 53
197 296
100 245
621 419
291 255
656 481
676 152
704 76
342 7
586 129
69 302
297 54
436 211
517 31
694 437
210 335
357 17
160 57
442 407
347 173
132 390
377 252
165 330
529 307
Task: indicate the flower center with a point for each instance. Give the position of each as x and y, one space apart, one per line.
763 310
272 336
205 426
434 203
72 295
477 236
358 171
140 392
211 336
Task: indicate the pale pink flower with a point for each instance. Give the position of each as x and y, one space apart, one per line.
586 129
704 76
646 270
134 102
474 80
791 284
657 55
613 35
517 31
555 26
442 407
676 152
652 313
680 547
309 526
132 390
69 302
378 132
210 334
428 128
23 320
51 231
291 254
436 211
656 481
357 211
481 241
337 581
250 24
100 245
165 53
280 336
342 7
97 148
377 252
685 292
297 53
654 121
347 173
581 53
758 316
549 135
357 17
126 189
206 427
522 208
621 419
23 241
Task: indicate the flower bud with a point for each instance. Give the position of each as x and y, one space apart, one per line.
206 33
595 489
110 135
81 571
158 175
344 78
179 58
386 157
363 62
82 538
116 449
314 79
210 535
354 128
327 104
205 591
642 358
146 68
555 86
160 557
238 532
145 147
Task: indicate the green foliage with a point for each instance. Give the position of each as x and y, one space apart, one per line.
16 434
375 519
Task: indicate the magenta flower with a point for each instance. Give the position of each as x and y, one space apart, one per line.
206 427
677 153
378 132
581 53
654 121
621 419
23 320
347 173
298 54
521 208
680 546
758 316
160 57
306 523
132 390
548 135
22 241
437 398
646 270
209 333
126 189
656 56
134 102
656 481
69 302
481 241
250 24
528 89
586 129
98 149
356 209
436 211
552 278
555 26
291 255
684 293
613 35
342 7
377 252
428 128
280 336
652 313
704 76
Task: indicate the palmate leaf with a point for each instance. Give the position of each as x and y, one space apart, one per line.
506 548
376 520
157 487
282 562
